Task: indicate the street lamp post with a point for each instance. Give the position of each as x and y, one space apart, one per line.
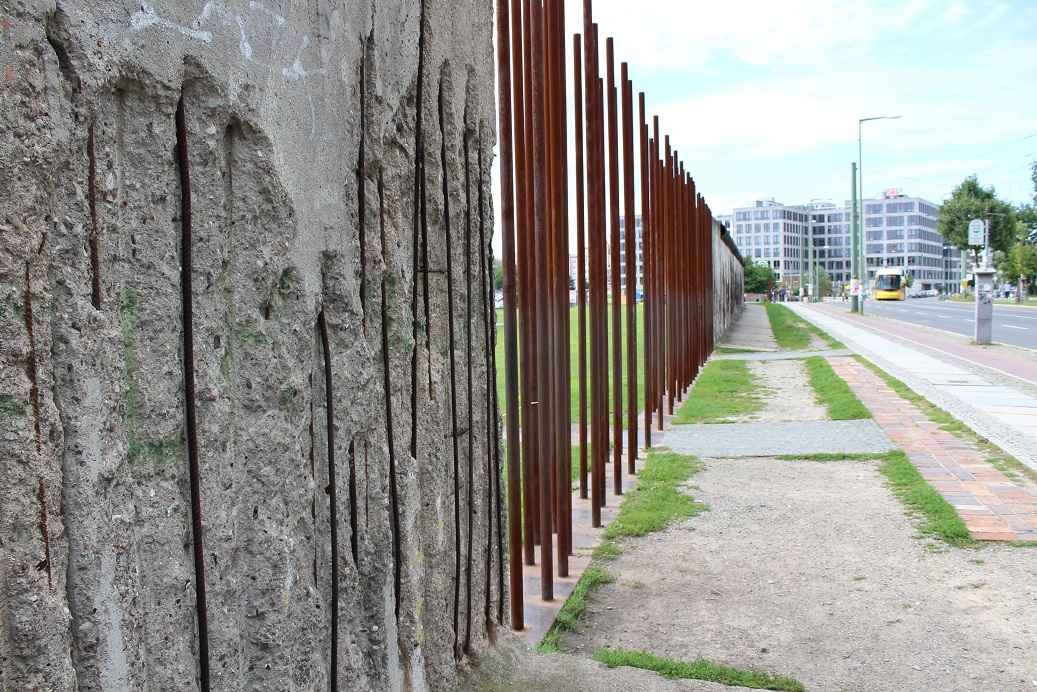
860 172
811 262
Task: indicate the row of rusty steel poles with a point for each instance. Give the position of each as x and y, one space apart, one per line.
677 279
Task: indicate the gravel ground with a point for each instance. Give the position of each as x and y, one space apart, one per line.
813 570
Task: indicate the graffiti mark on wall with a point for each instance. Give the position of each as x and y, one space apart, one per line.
257 25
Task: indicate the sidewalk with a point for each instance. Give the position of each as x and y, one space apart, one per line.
1006 415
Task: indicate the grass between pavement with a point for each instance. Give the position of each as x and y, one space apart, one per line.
574 610
700 669
724 389
791 332
937 516
833 392
654 504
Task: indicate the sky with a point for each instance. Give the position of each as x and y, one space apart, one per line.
762 97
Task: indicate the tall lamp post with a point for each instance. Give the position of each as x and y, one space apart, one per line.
860 216
811 262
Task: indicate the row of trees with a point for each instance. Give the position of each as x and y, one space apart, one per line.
1013 230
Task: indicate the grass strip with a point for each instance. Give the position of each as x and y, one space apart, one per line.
793 333
655 503
1001 460
833 392
724 389
921 499
699 669
727 350
574 610
789 331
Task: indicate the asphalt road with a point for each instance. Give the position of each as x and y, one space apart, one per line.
1013 325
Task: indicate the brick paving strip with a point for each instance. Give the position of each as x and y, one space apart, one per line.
992 506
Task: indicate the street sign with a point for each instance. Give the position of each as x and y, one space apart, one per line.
976 229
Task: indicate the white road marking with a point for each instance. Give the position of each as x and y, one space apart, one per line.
1012 326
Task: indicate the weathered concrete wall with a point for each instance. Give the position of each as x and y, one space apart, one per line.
728 282
338 162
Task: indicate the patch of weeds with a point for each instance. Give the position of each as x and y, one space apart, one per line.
824 457
699 669
574 610
789 331
153 454
637 585
859 577
11 407
1023 544
242 335
978 584
833 392
284 283
657 501
606 550
724 389
922 500
726 350
948 422
977 560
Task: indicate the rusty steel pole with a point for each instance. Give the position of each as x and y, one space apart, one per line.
658 201
542 343
527 302
581 299
595 232
645 264
614 273
631 264
504 100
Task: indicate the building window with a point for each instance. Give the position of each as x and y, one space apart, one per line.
895 234
873 208
894 220
899 207
874 222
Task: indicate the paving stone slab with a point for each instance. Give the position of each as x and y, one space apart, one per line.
770 439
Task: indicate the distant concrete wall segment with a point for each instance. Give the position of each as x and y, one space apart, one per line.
337 191
728 282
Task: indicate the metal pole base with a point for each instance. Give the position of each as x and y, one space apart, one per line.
854 303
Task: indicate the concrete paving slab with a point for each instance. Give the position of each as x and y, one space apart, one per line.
770 439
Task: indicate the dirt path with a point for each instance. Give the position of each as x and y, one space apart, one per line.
787 392
812 570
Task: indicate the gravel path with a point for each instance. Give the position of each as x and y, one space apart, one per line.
813 570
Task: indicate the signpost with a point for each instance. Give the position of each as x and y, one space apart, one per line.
984 283
977 232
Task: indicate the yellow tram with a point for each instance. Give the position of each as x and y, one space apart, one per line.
889 284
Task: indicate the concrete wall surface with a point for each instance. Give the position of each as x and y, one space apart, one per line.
728 282
200 199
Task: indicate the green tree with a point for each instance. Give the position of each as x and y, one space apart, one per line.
1021 258
971 201
757 276
1027 213
498 277
909 280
